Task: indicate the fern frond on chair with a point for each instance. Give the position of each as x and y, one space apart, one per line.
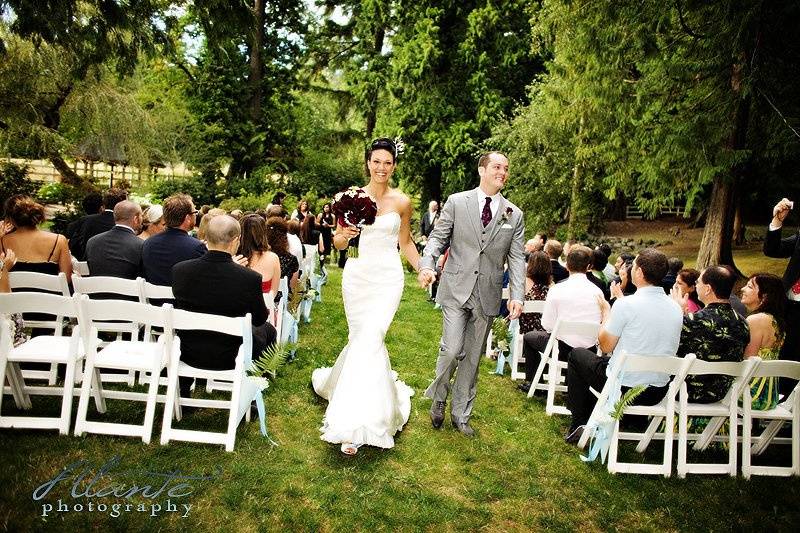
626 401
271 359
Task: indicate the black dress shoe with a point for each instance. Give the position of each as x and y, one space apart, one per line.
464 428
525 386
437 414
573 436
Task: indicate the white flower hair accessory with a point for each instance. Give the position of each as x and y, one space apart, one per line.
399 147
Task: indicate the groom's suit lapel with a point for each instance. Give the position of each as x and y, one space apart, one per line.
497 221
472 213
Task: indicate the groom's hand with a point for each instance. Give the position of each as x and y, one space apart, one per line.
425 277
514 309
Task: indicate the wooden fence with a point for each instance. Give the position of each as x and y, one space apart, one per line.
104 174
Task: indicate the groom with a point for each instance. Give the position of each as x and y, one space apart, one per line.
483 230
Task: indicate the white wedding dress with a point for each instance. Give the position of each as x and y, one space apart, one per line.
367 404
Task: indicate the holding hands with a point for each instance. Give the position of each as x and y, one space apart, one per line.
425 277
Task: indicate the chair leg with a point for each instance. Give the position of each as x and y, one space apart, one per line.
669 435
150 409
171 406
766 436
682 442
537 377
53 375
647 437
66 401
17 381
613 448
796 438
747 444
709 433
732 443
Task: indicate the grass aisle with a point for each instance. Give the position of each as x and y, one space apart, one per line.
516 475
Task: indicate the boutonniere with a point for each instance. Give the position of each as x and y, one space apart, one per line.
507 215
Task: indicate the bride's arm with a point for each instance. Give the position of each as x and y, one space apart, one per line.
341 239
407 245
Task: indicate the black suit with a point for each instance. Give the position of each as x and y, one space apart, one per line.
163 251
428 221
214 284
92 225
117 252
559 272
789 247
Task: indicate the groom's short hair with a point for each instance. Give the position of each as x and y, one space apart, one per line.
484 159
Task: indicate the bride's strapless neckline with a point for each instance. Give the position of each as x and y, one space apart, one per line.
388 213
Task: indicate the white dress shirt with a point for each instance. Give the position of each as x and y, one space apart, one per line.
482 201
574 299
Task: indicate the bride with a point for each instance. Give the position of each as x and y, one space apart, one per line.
367 404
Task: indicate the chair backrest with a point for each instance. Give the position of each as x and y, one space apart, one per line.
782 369
19 281
587 329
533 306
740 370
108 285
183 320
38 302
81 268
151 291
678 367
124 311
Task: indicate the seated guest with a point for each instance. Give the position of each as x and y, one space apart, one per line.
205 219
609 271
553 249
765 298
715 333
92 204
214 284
36 250
538 278
536 244
574 299
648 322
685 282
101 222
161 252
623 266
596 276
152 222
254 246
118 251
295 244
278 242
675 266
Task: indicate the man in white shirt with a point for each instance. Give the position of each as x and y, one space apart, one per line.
648 322
574 299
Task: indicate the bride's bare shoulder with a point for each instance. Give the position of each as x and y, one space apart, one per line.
401 200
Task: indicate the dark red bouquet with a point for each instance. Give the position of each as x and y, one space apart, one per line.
354 207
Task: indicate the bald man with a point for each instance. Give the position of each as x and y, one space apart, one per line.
215 284
118 251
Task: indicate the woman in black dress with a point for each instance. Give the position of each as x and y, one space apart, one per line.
326 222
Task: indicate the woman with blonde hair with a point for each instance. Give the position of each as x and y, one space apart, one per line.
152 222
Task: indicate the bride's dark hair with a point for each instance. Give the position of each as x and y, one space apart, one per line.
384 143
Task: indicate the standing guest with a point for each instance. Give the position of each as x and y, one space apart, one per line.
429 218
237 214
36 250
686 282
161 252
118 251
295 244
215 284
764 298
152 222
715 333
675 266
574 299
279 243
277 200
553 249
201 228
327 223
596 276
92 204
301 212
308 230
538 279
254 246
647 322
101 222
789 247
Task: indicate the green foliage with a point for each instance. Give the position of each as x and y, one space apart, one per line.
61 219
201 187
247 203
500 334
14 180
627 400
271 360
60 193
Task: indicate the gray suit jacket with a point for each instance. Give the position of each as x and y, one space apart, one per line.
477 254
116 252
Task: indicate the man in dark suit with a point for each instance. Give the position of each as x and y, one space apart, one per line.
553 249
173 245
92 204
100 222
214 284
429 218
789 247
118 251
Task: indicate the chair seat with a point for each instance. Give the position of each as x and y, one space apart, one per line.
191 371
131 355
658 409
777 413
45 348
705 409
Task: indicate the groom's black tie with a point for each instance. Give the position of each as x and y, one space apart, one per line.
486 216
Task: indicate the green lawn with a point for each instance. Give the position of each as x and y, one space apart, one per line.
516 475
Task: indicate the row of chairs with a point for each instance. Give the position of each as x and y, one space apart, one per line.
139 353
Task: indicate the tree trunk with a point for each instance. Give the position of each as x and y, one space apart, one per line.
68 176
371 115
577 185
257 61
739 228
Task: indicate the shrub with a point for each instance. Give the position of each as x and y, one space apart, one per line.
202 188
60 193
247 203
14 180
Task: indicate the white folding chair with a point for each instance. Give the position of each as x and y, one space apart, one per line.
786 411
133 355
677 367
528 306
556 367
80 268
113 286
727 408
154 295
54 349
37 282
243 389
504 296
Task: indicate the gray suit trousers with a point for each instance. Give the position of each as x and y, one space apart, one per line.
464 332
